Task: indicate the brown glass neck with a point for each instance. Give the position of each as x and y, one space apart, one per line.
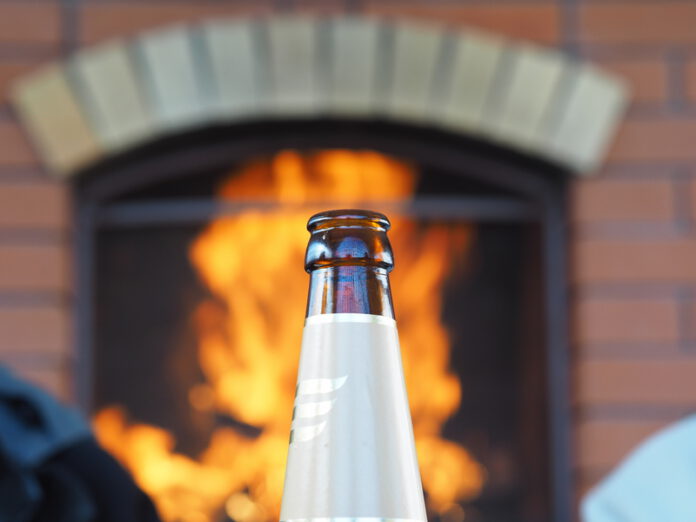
354 289
349 259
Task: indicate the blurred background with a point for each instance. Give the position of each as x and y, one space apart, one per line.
152 230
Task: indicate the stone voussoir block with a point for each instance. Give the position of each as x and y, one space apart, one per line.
353 66
108 86
417 53
174 80
526 88
293 76
54 119
474 64
235 62
591 112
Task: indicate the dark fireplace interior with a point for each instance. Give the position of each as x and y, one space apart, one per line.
500 297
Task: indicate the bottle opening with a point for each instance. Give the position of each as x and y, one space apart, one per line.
348 238
348 218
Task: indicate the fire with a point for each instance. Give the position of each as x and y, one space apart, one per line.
249 337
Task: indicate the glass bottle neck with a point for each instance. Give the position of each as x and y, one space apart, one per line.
356 289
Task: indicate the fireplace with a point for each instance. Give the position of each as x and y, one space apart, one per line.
172 139
189 358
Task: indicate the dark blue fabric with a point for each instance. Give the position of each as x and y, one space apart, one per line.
51 467
112 492
33 428
33 425
20 493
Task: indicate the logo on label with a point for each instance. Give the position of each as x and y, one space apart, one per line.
308 417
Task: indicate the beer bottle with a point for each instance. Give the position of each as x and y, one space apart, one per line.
352 455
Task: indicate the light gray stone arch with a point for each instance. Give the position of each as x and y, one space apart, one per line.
120 94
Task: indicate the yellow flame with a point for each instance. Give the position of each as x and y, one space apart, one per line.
248 347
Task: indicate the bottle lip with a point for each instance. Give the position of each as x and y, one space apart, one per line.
348 218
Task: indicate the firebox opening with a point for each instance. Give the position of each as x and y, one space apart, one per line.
199 314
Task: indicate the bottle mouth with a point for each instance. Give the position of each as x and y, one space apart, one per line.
348 238
348 218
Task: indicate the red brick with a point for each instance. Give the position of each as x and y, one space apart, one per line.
109 20
631 382
690 80
536 21
34 268
626 321
15 149
646 77
585 480
55 381
53 378
611 260
602 444
30 22
34 329
34 205
601 200
655 139
638 22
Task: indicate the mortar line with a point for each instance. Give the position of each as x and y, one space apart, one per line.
69 26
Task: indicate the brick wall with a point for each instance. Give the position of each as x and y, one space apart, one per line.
634 245
34 223
634 251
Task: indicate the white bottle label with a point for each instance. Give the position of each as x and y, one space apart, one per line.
352 454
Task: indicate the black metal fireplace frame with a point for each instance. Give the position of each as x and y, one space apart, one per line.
537 193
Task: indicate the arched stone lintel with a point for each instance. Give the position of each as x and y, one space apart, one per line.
119 94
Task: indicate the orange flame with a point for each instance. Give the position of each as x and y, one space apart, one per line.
248 347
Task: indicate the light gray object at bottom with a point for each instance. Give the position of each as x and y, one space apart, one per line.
656 483
352 454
